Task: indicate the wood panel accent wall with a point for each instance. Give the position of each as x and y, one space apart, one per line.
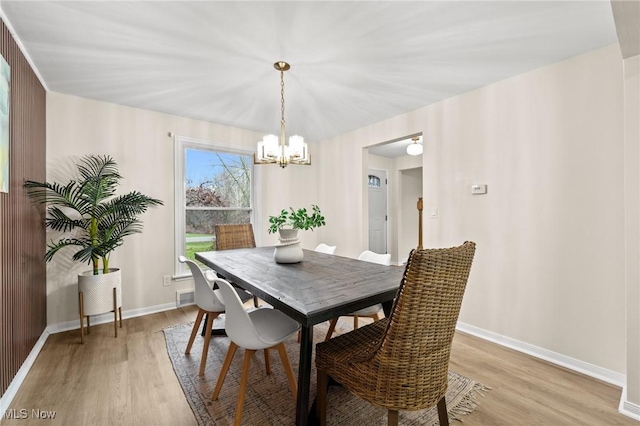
23 292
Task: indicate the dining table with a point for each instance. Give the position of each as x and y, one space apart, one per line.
317 289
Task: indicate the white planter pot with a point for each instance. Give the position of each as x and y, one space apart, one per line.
97 291
289 249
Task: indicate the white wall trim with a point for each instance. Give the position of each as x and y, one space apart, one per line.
603 374
627 408
108 317
15 384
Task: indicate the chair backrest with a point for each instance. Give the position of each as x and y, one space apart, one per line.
205 296
234 236
324 248
373 257
414 351
238 324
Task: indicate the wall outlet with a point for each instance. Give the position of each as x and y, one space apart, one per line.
166 280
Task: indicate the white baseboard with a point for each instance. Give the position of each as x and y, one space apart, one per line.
15 384
108 317
603 374
627 408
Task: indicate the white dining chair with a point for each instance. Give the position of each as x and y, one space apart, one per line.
371 311
263 328
324 248
208 301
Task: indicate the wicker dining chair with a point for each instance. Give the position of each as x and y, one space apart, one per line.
401 362
235 236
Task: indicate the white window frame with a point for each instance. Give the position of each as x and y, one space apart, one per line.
182 143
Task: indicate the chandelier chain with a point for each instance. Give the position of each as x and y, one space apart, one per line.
282 97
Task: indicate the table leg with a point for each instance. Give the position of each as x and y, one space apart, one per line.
386 307
214 331
304 376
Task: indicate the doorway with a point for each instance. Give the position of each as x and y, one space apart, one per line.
377 188
393 228
410 189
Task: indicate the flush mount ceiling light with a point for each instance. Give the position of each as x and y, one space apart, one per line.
274 151
415 148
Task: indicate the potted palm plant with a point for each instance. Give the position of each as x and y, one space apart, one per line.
90 217
287 224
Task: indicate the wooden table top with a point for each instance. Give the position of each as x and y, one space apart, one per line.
319 288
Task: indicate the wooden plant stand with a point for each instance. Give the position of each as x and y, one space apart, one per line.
116 311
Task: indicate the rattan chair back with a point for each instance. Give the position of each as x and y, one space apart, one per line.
234 236
401 362
416 347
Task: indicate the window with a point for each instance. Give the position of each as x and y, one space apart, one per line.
213 186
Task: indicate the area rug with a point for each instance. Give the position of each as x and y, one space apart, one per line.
268 398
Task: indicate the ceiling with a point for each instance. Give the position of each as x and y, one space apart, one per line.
394 148
352 63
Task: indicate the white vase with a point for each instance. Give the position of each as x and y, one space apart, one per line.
97 291
289 249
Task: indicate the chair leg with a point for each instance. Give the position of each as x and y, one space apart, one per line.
376 317
120 315
255 302
223 372
393 418
196 326
332 327
355 322
207 339
442 412
321 398
267 364
284 358
248 353
81 310
115 312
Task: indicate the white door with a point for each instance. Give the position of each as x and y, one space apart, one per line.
377 184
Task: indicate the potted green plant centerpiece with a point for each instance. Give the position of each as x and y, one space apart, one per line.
287 224
88 215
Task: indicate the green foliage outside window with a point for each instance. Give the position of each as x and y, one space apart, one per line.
218 192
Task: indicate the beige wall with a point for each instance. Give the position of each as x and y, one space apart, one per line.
139 142
549 268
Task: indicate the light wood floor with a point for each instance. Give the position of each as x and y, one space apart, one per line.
130 381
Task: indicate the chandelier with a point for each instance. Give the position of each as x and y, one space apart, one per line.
272 150
415 148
